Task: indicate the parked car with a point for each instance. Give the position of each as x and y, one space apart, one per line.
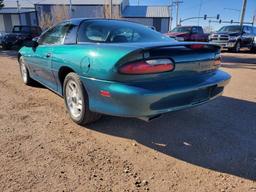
234 37
188 33
20 35
121 68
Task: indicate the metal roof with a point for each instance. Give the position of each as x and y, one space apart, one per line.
77 2
23 3
146 11
15 10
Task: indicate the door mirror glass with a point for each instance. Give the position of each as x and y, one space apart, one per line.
32 43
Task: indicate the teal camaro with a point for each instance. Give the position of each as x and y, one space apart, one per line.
121 68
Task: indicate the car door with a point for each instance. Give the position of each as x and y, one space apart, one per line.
246 37
41 59
194 34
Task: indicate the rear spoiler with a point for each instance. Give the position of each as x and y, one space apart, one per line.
190 45
175 49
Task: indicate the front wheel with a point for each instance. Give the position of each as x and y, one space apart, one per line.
237 47
24 72
77 101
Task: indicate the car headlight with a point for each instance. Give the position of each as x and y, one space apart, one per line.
180 38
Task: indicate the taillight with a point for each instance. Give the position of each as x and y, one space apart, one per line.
217 61
196 46
147 67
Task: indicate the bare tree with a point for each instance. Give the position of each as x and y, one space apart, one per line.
107 11
1 4
60 13
57 14
208 29
46 21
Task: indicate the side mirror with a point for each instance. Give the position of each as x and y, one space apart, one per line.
32 43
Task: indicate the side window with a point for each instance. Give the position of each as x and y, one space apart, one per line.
250 30
194 30
71 34
54 35
200 30
254 30
247 30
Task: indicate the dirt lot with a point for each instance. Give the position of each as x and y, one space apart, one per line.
208 148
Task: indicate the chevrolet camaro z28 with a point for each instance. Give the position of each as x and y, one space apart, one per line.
121 68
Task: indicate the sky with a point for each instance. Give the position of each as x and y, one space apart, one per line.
191 8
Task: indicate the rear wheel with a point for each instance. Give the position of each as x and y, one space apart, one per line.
24 72
77 101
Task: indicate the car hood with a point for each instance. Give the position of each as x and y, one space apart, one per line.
227 33
16 34
177 34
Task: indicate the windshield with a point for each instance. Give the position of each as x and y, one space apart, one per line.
232 29
182 29
112 31
21 29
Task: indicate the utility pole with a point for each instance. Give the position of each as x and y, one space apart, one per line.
70 8
243 12
18 6
171 18
177 3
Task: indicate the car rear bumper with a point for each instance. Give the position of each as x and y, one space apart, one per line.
150 99
225 45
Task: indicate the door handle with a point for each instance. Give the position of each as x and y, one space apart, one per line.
48 55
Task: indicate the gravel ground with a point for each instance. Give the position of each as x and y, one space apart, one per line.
208 148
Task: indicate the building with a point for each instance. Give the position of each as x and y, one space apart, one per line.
157 16
10 15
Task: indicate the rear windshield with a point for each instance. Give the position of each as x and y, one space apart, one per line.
182 29
232 29
112 31
26 29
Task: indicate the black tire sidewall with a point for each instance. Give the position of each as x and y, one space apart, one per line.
237 51
75 77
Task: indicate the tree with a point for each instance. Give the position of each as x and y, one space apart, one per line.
208 29
1 4
107 10
57 14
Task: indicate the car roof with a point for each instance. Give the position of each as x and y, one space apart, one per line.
77 21
189 26
237 26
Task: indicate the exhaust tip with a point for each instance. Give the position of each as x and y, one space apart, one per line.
149 118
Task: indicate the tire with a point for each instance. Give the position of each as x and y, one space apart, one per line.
237 47
25 73
77 101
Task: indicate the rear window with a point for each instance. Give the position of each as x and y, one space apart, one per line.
26 29
182 29
112 31
21 29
